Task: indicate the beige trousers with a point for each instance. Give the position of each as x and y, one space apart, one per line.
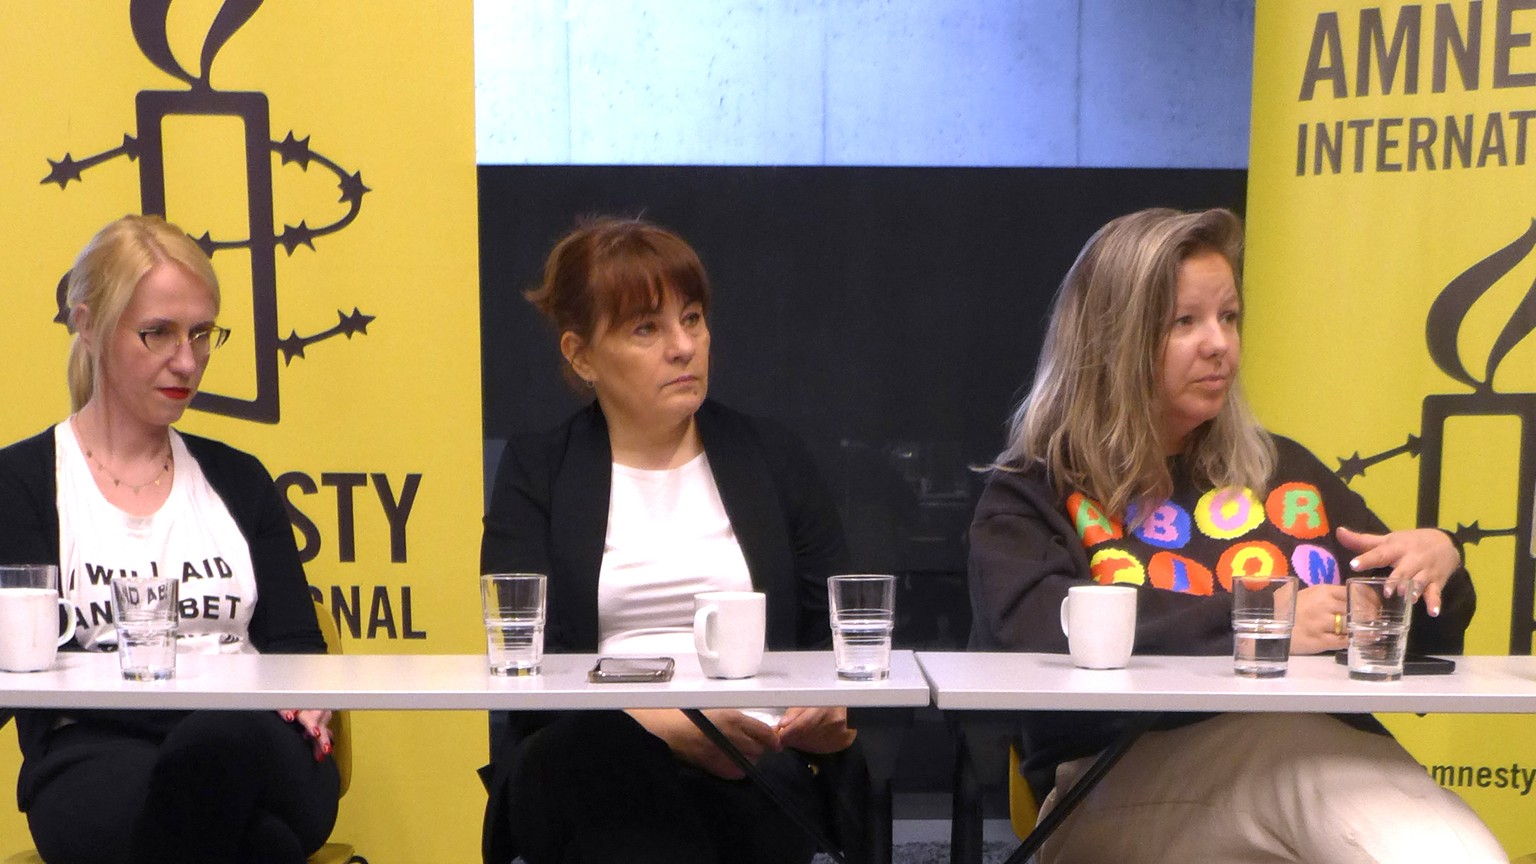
1265 788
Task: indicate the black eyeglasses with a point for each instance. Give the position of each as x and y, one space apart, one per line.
165 341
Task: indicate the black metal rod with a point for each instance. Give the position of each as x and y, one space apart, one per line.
805 822
1107 759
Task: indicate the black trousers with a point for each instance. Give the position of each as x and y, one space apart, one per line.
597 787
221 786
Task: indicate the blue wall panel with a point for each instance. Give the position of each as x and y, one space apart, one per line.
1107 83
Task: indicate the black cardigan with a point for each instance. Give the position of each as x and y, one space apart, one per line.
283 621
549 514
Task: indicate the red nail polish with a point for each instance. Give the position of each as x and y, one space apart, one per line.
327 747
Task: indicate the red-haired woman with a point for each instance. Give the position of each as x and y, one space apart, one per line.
647 496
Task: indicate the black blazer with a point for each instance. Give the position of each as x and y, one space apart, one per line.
283 621
549 514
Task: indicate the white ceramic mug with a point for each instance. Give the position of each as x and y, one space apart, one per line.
728 631
29 617
1100 624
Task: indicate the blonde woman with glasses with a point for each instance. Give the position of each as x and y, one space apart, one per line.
1135 459
113 490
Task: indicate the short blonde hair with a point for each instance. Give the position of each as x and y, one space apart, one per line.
103 280
1092 416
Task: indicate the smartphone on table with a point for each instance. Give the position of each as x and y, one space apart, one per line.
632 670
1413 664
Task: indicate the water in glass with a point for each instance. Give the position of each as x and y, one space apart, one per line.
1376 650
1260 647
147 650
514 647
862 648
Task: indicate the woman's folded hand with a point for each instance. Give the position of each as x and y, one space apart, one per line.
316 726
752 737
1319 620
816 730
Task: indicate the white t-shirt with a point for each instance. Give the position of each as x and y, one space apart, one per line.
191 536
668 539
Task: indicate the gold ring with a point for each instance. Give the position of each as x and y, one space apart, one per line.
1338 623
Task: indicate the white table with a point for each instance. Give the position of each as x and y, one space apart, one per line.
1026 682
975 685
461 682
445 682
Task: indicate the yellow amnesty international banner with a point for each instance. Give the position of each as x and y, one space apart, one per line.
1392 221
323 153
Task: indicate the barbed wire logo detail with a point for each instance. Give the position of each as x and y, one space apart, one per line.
1442 330
148 21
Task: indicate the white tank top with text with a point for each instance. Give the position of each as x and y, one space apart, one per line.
192 537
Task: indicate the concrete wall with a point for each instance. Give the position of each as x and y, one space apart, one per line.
1101 83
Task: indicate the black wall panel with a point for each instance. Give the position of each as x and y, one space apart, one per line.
890 315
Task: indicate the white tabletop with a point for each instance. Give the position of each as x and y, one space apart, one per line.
445 682
1021 682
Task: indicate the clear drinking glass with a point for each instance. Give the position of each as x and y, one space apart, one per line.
145 612
1263 615
862 608
1380 611
513 604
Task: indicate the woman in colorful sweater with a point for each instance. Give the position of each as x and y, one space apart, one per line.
1136 460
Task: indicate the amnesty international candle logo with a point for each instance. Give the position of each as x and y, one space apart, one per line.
214 111
1389 305
323 154
257 241
1446 317
1447 314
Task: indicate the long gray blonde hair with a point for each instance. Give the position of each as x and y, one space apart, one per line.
1092 415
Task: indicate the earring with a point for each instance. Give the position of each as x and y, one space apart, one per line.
590 385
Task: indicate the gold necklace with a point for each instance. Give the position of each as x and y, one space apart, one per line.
165 467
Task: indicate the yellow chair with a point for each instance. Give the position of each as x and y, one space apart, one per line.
341 751
1023 809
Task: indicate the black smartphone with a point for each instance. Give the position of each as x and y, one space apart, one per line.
1413 664
632 670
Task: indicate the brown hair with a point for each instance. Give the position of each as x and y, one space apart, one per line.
104 277
1092 414
609 270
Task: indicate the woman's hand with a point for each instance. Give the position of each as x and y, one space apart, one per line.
316 726
752 737
1319 620
1426 557
816 730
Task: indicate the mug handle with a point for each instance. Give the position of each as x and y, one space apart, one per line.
69 617
1064 616
701 631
